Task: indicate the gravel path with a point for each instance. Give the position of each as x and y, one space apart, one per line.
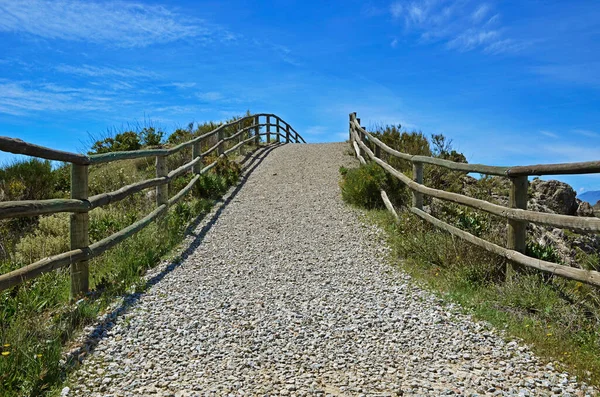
288 294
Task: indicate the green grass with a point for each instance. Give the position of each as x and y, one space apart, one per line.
557 317
36 319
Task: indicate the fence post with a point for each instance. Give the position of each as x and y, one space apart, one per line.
417 200
359 136
268 129
256 131
162 191
350 127
196 152
242 149
79 231
278 130
517 230
220 136
287 133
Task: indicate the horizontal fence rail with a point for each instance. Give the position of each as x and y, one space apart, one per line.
80 204
369 147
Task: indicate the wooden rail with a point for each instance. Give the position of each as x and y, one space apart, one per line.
516 214
80 204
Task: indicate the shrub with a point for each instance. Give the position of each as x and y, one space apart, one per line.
128 140
543 252
361 186
149 136
51 237
32 179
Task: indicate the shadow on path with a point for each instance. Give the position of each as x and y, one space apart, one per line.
87 345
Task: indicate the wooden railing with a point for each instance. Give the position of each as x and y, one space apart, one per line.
80 204
516 214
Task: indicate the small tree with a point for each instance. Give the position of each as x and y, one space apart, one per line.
151 137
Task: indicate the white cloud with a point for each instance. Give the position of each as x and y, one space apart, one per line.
96 71
115 23
210 96
394 43
471 39
586 133
572 153
460 25
396 9
480 13
316 130
583 73
20 98
549 134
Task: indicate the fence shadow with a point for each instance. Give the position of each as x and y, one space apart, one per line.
88 344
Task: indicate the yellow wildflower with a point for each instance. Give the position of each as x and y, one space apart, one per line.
5 353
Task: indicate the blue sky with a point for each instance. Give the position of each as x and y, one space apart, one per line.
512 82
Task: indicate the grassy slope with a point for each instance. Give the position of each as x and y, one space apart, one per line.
35 318
557 318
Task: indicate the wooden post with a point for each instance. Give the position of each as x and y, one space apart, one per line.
242 149
256 131
359 136
196 152
268 129
278 130
352 115
517 230
287 133
221 147
417 201
162 191
79 231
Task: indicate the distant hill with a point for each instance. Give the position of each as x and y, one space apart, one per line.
591 197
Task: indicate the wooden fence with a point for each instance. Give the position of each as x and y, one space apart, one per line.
516 214
247 131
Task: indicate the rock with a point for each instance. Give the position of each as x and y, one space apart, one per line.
65 391
557 196
584 208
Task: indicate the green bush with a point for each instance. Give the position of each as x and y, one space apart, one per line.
128 140
149 136
361 186
32 179
51 237
543 252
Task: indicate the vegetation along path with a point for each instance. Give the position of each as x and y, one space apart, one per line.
288 293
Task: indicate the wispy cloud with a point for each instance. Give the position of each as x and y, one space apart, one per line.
370 10
210 96
20 98
586 133
461 25
396 9
114 23
549 134
105 71
316 130
572 153
480 13
583 73
472 39
394 43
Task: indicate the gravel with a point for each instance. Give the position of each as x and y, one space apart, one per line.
287 292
